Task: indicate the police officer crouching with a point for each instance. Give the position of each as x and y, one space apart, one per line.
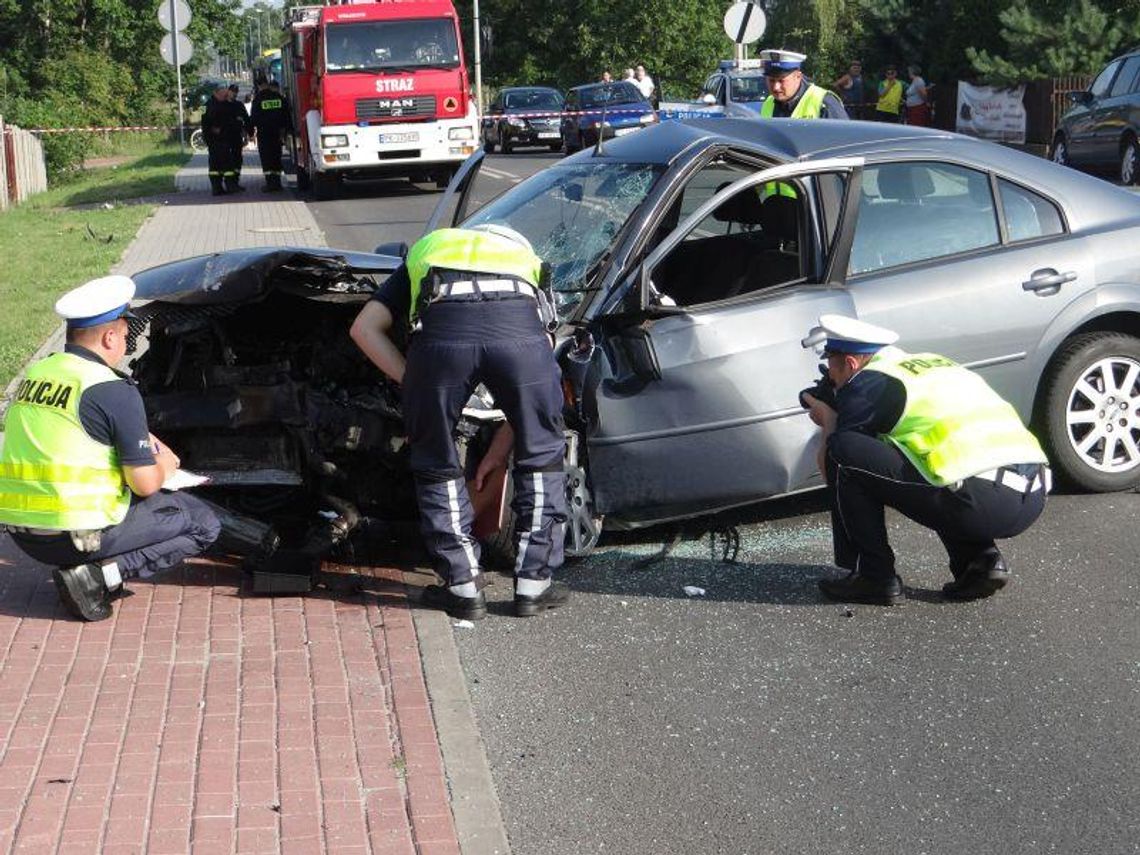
475 300
920 434
793 96
81 475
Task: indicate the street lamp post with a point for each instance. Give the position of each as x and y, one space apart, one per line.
478 63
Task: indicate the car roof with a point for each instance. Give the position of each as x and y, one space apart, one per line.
507 89
584 86
1087 200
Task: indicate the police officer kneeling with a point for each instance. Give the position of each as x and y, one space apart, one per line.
80 474
475 301
921 434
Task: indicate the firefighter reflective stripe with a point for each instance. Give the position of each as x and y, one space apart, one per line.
808 107
953 425
468 251
271 104
52 474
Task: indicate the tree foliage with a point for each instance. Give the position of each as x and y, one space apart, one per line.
75 63
1051 39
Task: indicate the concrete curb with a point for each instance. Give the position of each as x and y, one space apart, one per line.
474 801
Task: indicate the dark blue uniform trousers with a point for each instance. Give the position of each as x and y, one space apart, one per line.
157 532
501 343
866 474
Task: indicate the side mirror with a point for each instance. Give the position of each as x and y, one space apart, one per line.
396 248
708 98
1080 97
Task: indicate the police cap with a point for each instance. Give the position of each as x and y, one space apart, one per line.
848 335
99 301
778 62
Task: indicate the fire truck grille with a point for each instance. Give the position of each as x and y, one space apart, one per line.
395 108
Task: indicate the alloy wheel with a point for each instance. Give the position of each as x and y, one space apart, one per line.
1103 415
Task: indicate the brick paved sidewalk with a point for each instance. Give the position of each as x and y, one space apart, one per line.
204 719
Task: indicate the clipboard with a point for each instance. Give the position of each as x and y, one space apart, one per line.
489 505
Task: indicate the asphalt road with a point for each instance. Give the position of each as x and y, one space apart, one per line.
757 718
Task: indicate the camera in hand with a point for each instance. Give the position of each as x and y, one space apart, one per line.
823 390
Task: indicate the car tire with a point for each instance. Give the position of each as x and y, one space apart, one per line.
1091 431
1130 161
1060 152
488 144
505 143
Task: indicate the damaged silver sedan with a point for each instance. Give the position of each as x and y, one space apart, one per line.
688 263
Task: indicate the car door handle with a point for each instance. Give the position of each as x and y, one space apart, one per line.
1047 278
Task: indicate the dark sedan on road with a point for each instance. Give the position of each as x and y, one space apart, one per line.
1101 132
523 115
614 109
689 262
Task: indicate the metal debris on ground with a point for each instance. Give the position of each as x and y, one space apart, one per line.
693 591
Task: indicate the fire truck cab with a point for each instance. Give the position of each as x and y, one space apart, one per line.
377 88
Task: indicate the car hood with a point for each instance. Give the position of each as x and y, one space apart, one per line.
248 274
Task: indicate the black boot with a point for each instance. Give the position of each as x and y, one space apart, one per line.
553 597
82 591
982 577
232 185
856 588
461 608
216 188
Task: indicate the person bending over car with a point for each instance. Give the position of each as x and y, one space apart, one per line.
80 473
475 302
921 434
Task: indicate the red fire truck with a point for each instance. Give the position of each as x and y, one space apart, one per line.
377 88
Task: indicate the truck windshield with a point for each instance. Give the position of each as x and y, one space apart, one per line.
572 214
376 45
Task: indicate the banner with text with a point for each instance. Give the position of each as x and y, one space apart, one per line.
991 113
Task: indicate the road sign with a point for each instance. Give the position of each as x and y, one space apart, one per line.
744 22
182 11
185 49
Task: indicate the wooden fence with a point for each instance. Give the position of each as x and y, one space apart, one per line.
22 168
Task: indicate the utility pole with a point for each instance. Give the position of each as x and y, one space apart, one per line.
478 63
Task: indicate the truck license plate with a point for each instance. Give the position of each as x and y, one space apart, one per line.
411 136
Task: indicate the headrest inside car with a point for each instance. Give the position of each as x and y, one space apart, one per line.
744 207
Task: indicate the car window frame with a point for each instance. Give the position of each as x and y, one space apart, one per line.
1116 65
1130 61
795 170
1004 242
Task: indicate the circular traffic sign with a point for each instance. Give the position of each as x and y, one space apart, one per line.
185 48
744 22
182 10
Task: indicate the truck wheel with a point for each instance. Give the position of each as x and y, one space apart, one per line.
302 178
325 186
1091 411
442 179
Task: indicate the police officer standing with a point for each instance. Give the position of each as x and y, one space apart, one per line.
793 96
271 119
921 434
80 474
221 127
475 300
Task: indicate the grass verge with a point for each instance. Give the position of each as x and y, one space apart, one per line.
62 238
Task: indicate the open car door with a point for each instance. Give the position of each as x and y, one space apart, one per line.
452 206
701 411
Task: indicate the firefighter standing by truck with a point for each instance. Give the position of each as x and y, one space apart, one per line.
271 119
222 127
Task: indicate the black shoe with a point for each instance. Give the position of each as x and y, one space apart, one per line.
218 191
983 577
860 589
460 608
82 590
553 597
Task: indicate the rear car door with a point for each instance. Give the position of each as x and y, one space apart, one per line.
964 263
701 411
1083 144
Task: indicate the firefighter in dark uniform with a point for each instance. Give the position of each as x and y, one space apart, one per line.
793 96
221 127
245 129
271 120
475 302
920 434
81 475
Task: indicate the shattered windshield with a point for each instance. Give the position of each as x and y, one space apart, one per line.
571 214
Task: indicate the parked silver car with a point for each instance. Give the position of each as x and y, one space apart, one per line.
689 261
